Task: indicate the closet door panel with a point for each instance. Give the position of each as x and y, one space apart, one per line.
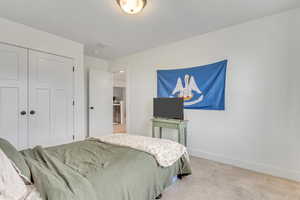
13 95
50 99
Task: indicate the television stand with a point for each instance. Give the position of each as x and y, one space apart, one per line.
180 125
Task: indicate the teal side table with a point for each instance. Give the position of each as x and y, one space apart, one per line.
180 125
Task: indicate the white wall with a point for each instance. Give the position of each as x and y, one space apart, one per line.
119 79
95 63
91 63
24 36
260 128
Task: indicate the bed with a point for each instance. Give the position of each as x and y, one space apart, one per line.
95 170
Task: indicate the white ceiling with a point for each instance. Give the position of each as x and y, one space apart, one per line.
109 33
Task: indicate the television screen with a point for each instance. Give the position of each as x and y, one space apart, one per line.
170 108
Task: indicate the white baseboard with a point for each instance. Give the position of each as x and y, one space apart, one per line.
258 167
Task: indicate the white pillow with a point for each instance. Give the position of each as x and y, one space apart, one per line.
12 186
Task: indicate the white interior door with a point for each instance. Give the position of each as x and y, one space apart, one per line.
100 103
51 113
13 95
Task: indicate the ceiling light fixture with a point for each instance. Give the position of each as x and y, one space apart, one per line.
132 6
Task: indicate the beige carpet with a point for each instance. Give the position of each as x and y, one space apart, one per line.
215 181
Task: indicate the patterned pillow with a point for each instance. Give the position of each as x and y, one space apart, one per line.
12 186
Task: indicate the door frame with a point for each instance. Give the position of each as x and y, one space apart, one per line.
76 108
38 40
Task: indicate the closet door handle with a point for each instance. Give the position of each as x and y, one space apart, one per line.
23 112
32 112
92 108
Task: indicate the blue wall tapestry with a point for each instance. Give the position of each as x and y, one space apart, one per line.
201 87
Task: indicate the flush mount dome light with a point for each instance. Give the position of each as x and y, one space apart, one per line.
132 6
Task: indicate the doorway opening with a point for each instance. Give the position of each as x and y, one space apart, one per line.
119 102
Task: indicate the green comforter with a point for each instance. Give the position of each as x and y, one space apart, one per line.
91 170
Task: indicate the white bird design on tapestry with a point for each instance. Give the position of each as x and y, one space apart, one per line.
189 86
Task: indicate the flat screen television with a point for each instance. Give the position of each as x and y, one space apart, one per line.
169 108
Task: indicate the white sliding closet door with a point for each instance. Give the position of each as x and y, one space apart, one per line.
50 99
13 95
